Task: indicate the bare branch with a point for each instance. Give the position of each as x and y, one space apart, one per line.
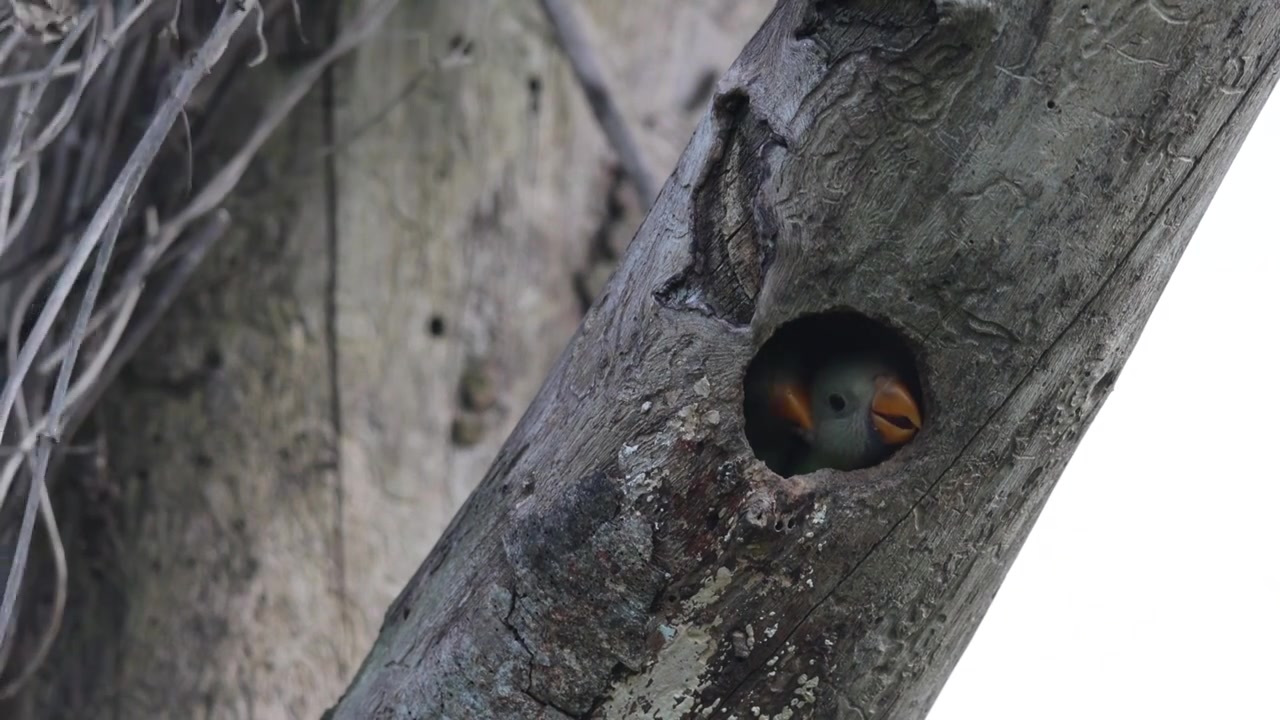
578 50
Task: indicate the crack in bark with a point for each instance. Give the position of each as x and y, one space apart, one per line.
527 690
332 245
515 632
726 267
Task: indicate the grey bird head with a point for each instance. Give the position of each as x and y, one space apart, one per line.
853 412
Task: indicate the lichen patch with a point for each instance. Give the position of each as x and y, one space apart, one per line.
671 686
711 590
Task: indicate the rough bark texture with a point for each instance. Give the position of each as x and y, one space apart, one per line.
293 440
1008 185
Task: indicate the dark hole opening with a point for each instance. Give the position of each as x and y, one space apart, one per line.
797 351
713 519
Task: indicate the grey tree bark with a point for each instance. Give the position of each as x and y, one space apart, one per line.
1007 185
347 362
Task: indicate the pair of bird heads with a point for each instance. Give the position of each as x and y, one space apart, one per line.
840 408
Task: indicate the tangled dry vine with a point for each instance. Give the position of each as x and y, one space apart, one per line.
76 82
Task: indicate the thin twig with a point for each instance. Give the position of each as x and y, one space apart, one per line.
50 633
110 130
576 47
31 187
11 43
24 299
24 78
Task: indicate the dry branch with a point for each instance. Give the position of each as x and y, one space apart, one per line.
586 67
1000 182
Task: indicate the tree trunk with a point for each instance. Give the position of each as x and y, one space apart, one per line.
349 359
1007 186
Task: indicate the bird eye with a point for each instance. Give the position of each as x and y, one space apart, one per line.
836 402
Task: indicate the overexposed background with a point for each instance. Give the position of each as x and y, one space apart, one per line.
1150 586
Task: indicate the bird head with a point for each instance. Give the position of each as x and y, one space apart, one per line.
851 414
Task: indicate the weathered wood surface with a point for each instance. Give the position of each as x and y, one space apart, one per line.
284 452
1009 185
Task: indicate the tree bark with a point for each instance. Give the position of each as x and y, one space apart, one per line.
347 362
1006 185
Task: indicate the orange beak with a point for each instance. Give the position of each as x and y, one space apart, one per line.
894 412
790 401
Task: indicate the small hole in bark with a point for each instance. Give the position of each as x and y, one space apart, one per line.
460 44
831 390
1051 104
212 359
404 613
535 94
713 519
436 326
1103 385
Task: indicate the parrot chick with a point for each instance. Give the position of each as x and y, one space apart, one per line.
851 414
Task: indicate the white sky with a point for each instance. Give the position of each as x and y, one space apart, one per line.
1150 586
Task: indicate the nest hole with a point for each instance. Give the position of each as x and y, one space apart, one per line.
851 408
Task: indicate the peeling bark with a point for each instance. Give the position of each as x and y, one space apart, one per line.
1008 186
